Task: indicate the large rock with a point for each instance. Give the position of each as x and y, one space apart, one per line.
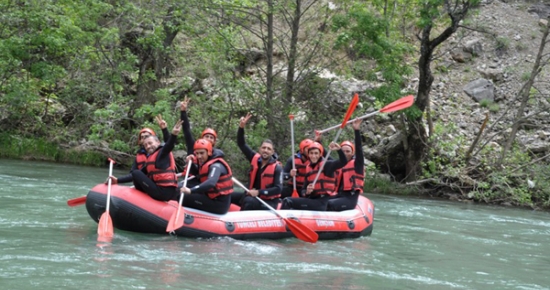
480 89
389 154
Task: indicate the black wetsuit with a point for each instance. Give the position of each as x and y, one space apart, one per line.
315 202
288 188
248 202
348 199
143 183
199 199
190 143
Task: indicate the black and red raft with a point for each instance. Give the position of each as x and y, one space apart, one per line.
133 210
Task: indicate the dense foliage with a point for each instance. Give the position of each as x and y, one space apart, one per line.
81 78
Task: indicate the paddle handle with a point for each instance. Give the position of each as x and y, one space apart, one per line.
292 150
264 203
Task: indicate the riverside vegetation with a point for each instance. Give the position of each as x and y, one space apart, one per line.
81 78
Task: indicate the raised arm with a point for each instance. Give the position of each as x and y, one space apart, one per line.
245 149
189 140
162 124
333 165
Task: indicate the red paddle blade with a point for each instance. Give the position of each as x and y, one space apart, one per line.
105 228
301 231
294 194
400 104
175 222
351 108
76 201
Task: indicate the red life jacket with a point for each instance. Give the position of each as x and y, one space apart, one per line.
162 177
141 159
325 184
352 181
267 176
224 186
300 172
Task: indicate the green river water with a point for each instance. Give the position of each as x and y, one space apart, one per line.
415 244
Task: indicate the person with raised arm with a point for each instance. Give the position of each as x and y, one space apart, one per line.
141 154
157 177
350 180
316 193
265 178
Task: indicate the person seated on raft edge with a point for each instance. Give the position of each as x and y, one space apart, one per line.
315 197
208 134
213 193
350 179
141 154
300 159
158 177
265 178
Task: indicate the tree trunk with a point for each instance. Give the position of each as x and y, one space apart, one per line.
525 94
293 53
417 140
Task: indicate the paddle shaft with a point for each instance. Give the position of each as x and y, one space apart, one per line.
292 150
184 185
300 230
264 203
109 186
350 121
394 106
326 157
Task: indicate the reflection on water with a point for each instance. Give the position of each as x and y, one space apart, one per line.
416 244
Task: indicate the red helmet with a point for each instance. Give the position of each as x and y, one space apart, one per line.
316 145
203 144
146 130
348 143
209 131
304 144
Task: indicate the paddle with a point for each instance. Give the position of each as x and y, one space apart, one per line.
351 108
82 200
394 106
294 191
105 225
175 221
76 201
300 230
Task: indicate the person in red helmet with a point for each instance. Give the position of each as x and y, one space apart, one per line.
213 193
300 159
141 154
210 135
349 183
315 196
265 180
207 134
158 177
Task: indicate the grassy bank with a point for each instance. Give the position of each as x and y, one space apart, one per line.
17 147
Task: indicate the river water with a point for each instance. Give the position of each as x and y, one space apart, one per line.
416 244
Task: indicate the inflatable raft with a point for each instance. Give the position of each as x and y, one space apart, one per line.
133 210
